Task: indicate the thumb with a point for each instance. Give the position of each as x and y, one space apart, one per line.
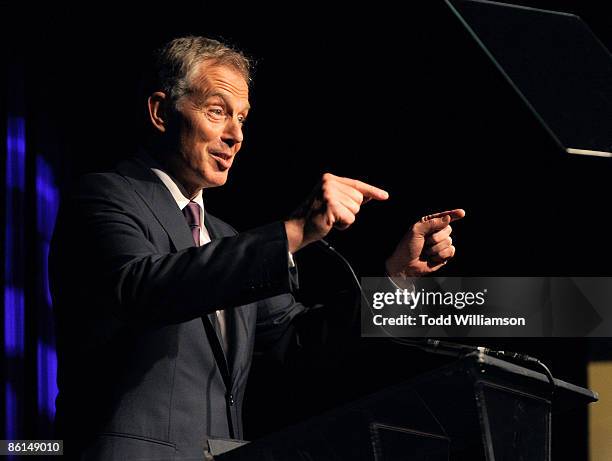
432 225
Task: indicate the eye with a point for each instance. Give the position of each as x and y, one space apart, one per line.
242 119
216 113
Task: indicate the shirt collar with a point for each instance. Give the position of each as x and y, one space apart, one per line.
178 196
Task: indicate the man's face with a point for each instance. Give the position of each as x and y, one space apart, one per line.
210 120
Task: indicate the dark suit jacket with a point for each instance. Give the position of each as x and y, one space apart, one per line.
141 371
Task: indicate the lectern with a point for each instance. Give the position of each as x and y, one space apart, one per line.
476 408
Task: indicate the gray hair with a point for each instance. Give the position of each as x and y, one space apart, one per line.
177 61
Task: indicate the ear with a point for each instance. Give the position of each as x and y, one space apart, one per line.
158 111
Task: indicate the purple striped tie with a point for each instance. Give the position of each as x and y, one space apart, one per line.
192 215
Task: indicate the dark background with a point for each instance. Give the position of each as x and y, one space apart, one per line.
400 97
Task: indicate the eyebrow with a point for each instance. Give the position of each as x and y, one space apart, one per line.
222 96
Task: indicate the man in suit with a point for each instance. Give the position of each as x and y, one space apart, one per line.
157 301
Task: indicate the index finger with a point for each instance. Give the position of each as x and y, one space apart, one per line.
368 191
457 213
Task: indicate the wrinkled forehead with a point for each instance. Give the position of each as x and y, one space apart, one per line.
210 77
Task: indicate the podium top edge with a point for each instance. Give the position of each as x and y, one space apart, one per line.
496 364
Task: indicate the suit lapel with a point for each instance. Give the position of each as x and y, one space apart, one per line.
158 198
214 231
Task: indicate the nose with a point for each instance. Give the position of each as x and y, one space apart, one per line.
232 134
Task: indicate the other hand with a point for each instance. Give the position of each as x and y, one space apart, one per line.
426 247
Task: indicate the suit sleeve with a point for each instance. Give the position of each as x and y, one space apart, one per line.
276 322
109 254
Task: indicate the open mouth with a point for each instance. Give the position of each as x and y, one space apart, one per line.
223 160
